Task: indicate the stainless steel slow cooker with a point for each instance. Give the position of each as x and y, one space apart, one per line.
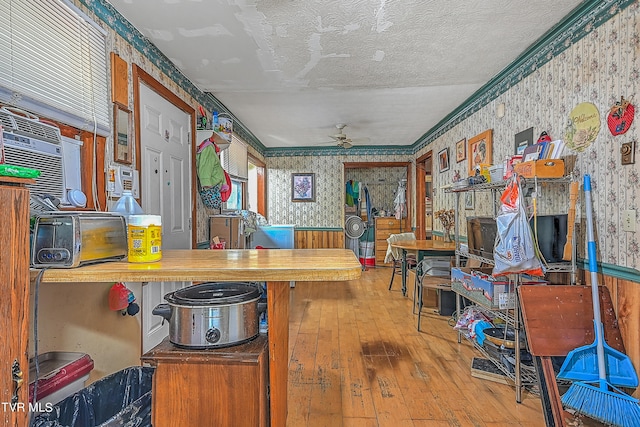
212 314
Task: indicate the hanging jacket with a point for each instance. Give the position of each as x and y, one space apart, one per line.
349 194
209 169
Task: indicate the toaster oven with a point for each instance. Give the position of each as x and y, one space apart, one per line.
65 239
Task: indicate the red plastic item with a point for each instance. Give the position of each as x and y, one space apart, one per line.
118 297
50 382
368 262
225 194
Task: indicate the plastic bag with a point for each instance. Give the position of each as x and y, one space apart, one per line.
211 197
515 250
120 399
18 171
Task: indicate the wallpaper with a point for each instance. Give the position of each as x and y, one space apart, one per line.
327 211
382 185
599 69
596 60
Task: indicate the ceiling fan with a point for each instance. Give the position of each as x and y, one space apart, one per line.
342 140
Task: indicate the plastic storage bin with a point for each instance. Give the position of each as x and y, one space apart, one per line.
61 374
273 237
120 399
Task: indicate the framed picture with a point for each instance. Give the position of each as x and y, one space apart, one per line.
480 150
461 150
303 187
122 149
523 140
470 200
443 160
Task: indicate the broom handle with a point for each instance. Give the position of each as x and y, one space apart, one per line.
593 269
567 254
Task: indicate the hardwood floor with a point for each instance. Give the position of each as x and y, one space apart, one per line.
358 360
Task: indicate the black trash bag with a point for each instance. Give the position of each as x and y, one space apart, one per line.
120 399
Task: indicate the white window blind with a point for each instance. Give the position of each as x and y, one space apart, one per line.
234 159
53 63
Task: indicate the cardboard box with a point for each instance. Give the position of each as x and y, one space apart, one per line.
496 294
549 168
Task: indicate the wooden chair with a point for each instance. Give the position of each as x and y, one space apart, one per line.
394 255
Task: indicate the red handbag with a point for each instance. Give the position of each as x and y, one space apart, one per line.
224 195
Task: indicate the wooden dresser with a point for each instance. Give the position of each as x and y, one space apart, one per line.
384 227
225 387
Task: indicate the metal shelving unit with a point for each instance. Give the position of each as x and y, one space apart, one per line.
523 376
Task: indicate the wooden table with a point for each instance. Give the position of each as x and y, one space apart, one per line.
276 267
422 248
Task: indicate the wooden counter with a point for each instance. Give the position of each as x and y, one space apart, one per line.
277 267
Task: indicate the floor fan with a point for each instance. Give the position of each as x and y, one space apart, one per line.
354 228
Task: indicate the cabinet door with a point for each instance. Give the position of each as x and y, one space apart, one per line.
14 304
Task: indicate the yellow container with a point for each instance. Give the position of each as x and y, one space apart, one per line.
484 171
145 238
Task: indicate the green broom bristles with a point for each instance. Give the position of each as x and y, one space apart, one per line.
610 407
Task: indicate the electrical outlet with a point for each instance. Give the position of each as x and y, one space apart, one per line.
629 220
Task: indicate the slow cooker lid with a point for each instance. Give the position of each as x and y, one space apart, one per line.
214 293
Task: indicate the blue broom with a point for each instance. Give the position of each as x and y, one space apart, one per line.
599 399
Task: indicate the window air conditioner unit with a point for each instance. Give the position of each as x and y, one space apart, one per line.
33 144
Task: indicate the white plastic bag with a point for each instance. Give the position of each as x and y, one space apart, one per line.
515 250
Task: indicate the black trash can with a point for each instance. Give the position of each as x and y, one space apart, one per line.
123 398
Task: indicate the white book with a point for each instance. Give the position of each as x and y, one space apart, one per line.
558 149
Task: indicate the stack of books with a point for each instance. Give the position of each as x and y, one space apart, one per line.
544 150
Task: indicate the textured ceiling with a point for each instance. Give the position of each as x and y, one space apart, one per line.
290 70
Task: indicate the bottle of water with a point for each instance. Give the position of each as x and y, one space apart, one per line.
127 205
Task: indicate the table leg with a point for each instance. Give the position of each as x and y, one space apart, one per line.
404 272
278 321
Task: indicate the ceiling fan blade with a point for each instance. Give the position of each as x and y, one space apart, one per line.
346 144
359 140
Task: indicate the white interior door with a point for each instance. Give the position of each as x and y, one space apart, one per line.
165 180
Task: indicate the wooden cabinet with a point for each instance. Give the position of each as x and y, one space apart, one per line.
14 304
225 387
384 227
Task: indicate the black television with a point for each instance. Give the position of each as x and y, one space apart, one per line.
552 236
481 236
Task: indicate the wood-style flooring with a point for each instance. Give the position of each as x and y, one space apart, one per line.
358 360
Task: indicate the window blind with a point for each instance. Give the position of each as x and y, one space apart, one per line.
234 159
54 63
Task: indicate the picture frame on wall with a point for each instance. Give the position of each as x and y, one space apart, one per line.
479 150
461 150
470 200
443 160
303 187
523 140
122 146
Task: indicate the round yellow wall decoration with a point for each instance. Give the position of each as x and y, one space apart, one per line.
583 128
